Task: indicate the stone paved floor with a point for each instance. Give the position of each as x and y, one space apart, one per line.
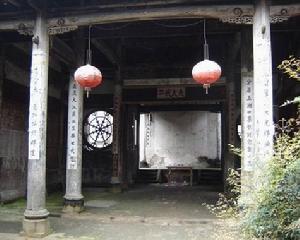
144 212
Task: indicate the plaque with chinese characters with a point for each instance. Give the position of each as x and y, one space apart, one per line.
170 92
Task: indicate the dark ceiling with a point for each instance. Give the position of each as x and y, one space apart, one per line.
165 48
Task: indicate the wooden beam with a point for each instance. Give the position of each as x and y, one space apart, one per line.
79 18
85 19
18 75
54 63
16 3
151 14
37 5
63 51
151 82
174 102
106 50
179 12
100 6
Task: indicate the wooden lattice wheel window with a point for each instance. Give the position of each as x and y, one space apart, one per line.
98 128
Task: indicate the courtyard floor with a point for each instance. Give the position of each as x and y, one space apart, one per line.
144 212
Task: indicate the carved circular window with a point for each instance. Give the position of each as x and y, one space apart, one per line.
98 130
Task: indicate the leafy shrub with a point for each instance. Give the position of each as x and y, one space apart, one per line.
277 210
291 67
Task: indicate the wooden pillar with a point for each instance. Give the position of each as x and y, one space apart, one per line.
131 142
262 84
36 222
61 156
231 131
73 199
2 75
117 172
116 147
247 114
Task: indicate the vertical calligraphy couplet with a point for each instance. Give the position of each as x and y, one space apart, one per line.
35 107
263 97
247 122
73 124
231 113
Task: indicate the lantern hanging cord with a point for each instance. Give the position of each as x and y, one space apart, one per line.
89 53
205 46
204 31
90 37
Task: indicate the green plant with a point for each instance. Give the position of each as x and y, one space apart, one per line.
276 212
227 204
291 67
275 209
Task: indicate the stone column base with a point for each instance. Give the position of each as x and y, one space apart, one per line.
73 206
115 188
115 185
247 188
125 186
36 228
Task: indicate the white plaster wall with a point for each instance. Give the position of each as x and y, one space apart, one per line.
188 138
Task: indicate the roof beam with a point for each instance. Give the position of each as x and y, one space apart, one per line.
100 5
16 3
106 51
25 48
151 14
63 51
166 82
132 15
37 5
18 75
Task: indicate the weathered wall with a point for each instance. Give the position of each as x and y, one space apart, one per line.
13 144
188 138
13 159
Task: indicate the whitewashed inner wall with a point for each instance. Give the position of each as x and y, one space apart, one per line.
188 138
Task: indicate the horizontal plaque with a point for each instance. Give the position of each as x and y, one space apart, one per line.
170 92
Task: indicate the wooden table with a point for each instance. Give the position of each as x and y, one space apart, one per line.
184 169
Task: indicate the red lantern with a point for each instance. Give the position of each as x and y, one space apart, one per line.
206 72
88 76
